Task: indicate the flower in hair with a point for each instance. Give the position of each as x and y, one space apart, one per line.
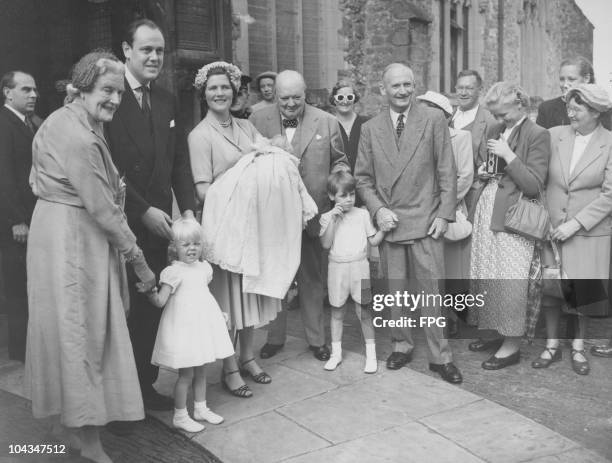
202 76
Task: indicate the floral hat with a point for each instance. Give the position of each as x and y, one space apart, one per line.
202 76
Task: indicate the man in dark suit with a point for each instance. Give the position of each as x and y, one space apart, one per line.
316 141
142 138
16 199
407 178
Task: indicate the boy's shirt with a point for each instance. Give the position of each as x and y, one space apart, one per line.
351 238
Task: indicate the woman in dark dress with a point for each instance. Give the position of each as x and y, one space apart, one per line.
343 98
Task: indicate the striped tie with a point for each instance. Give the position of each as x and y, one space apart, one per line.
400 125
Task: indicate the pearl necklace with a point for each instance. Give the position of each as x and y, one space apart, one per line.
227 123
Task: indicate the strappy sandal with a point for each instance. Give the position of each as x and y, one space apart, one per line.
261 378
580 367
244 392
555 356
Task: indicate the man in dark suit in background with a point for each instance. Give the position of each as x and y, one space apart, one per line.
142 138
16 199
316 141
406 177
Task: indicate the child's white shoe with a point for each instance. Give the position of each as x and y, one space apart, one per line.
206 414
182 420
371 364
335 358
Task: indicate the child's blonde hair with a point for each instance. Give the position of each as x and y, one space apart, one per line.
184 230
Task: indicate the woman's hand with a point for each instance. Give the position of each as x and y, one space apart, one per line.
500 148
566 230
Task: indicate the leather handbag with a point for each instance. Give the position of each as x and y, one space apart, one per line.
554 279
460 229
528 218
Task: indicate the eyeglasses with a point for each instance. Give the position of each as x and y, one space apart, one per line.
339 97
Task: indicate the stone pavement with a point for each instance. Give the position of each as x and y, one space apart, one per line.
310 415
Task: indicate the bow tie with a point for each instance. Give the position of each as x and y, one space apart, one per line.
290 123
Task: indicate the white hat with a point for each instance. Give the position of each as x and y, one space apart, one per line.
438 99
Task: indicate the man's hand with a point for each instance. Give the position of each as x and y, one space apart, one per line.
386 219
20 233
158 222
438 228
566 230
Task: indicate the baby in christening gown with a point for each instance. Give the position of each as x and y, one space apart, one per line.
254 215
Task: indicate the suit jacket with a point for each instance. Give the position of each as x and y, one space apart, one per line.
414 176
586 193
16 198
526 173
318 145
152 160
479 129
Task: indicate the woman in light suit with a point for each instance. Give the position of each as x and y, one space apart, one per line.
579 199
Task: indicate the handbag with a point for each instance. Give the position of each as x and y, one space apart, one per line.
460 229
554 279
528 218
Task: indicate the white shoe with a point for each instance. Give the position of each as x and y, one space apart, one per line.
371 365
187 424
333 362
206 414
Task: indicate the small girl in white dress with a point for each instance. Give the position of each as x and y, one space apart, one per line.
192 330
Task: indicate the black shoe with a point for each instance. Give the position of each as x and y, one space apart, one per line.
121 428
481 345
448 371
496 363
397 360
602 351
153 400
579 366
554 355
320 352
269 350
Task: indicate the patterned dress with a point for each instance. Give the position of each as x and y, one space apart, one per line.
499 270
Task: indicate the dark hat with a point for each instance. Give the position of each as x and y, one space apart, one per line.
245 80
268 74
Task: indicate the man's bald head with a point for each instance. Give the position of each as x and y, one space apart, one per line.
291 94
397 67
398 86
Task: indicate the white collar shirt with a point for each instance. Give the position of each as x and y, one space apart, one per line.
464 118
506 134
135 85
580 144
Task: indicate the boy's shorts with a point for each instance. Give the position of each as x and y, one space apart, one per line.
349 278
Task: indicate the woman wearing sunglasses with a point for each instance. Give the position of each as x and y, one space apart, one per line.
343 98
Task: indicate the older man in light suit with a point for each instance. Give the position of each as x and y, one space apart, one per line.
316 141
407 178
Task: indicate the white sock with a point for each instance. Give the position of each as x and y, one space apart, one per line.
371 364
182 420
202 413
335 358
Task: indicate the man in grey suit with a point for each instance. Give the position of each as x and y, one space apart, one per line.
316 141
407 178
472 116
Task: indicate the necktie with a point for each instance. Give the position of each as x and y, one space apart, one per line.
290 123
30 124
399 128
146 100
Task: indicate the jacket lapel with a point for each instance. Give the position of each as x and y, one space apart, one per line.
18 123
306 130
593 150
136 126
566 145
411 137
160 125
385 132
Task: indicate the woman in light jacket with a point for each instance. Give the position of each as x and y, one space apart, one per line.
579 199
